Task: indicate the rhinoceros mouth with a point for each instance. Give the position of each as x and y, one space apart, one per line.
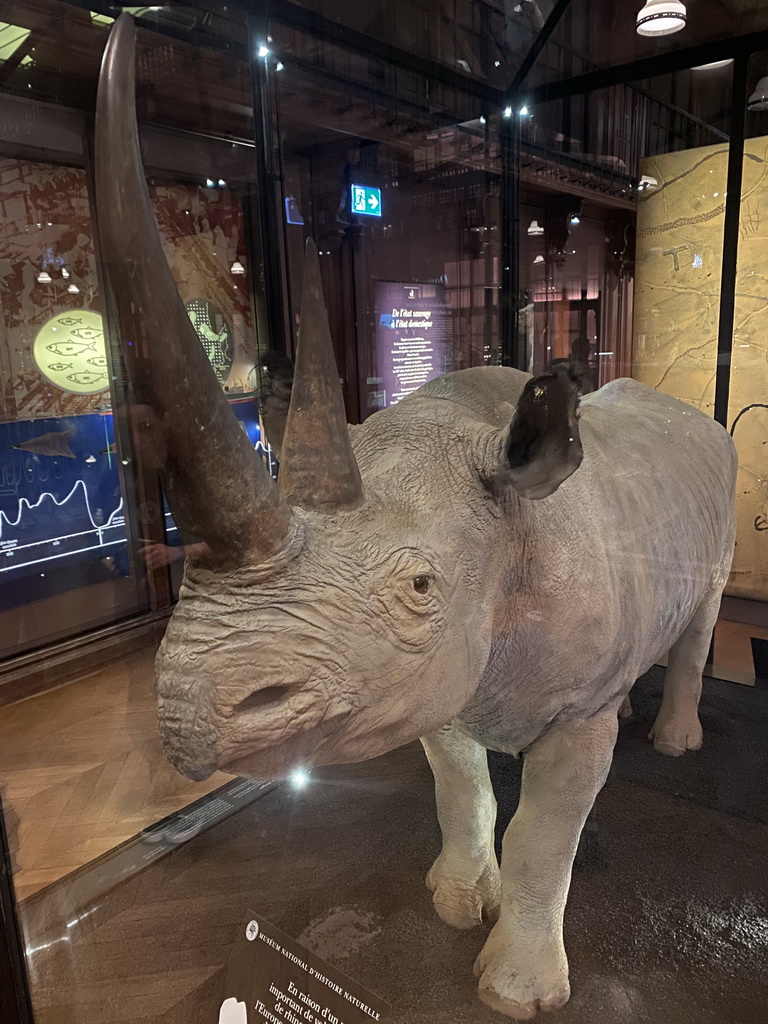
278 729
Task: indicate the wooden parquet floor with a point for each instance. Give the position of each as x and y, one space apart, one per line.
81 770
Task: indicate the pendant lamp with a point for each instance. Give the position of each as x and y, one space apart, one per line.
661 18
759 98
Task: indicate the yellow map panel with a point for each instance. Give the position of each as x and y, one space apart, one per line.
677 297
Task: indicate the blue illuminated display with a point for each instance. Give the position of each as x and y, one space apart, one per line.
366 200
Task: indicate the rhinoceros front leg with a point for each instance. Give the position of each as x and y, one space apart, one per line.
464 879
523 965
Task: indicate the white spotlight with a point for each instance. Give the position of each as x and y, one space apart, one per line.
299 778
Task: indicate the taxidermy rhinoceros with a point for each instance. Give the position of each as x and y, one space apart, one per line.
485 565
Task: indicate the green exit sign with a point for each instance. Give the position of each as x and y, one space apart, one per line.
366 200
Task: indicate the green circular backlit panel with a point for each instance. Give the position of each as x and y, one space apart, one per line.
69 350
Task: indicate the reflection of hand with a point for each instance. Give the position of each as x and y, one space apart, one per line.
157 555
233 1012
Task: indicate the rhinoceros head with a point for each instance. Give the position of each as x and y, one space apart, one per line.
326 619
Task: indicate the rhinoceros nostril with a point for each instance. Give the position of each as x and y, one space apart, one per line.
269 697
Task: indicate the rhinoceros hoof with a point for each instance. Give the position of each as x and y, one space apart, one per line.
462 902
674 733
518 979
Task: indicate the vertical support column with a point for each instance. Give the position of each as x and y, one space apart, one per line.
269 183
731 237
511 354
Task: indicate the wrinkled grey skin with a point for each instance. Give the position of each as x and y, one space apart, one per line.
539 616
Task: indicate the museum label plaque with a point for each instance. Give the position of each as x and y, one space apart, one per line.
271 979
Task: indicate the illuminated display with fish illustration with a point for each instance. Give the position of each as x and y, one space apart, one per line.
214 334
70 351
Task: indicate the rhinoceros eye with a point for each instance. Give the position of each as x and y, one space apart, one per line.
421 584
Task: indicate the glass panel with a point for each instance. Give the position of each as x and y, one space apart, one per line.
602 33
404 204
621 233
65 565
747 410
480 42
150 872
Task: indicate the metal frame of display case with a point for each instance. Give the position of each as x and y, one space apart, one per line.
15 1001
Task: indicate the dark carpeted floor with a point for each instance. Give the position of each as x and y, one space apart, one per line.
667 921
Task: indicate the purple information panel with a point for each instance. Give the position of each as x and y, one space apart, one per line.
411 335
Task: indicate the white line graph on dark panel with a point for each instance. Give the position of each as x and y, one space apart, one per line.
10 549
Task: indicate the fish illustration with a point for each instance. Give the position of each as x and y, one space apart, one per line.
58 367
70 348
112 450
86 333
86 377
69 321
56 443
98 361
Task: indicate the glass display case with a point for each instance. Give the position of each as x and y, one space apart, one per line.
382 382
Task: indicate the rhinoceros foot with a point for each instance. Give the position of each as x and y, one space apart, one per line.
519 976
676 731
461 900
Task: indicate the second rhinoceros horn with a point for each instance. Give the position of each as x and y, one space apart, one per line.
218 487
318 467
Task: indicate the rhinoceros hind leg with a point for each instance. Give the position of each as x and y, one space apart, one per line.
677 727
464 880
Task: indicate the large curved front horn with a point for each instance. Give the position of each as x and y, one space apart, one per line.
318 469
219 489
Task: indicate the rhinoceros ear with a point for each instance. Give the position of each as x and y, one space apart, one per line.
542 447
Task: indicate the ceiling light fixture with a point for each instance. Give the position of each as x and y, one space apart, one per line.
759 98
715 64
534 228
661 18
44 277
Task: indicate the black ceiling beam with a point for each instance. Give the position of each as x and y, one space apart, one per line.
650 67
541 40
329 31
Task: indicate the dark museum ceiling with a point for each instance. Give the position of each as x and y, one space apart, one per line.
404 73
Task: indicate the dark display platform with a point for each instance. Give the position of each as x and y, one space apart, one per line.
667 921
